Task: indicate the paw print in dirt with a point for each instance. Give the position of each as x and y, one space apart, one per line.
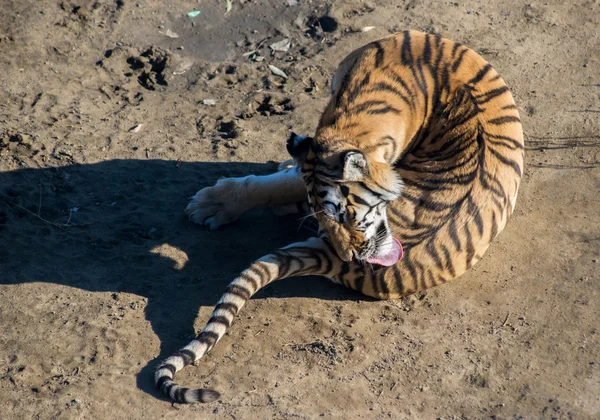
150 67
273 104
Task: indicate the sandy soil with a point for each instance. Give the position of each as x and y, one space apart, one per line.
102 276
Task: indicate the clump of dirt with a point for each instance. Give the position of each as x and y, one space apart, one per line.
319 348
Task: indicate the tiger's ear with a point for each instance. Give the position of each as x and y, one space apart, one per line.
297 146
354 165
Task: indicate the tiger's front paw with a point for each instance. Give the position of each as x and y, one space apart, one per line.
218 205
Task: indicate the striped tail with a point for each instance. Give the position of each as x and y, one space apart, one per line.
312 257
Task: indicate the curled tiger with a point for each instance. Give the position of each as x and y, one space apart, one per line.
412 172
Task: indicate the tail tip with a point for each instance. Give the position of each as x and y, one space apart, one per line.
207 395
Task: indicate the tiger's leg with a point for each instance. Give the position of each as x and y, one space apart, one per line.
311 257
229 198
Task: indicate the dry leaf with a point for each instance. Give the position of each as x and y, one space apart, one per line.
283 45
169 33
277 72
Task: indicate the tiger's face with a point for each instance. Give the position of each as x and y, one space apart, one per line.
348 194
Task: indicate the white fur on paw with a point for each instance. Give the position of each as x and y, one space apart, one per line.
217 205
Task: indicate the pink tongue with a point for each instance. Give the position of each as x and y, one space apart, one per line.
391 257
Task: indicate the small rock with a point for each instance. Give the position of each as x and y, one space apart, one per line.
209 102
136 128
25 140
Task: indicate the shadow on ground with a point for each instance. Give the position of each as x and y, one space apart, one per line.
98 226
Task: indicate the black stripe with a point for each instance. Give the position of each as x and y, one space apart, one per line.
406 53
255 285
514 144
411 270
494 227
359 200
343 271
425 89
386 87
514 165
208 337
169 387
430 248
366 105
385 110
261 271
284 263
239 291
380 279
448 264
322 257
509 106
504 120
188 356
480 75
161 383
427 51
345 190
379 54
456 64
488 96
443 170
443 184
455 48
396 213
470 248
454 234
474 211
170 367
229 307
373 282
178 396
430 278
398 278
389 72
219 319
356 90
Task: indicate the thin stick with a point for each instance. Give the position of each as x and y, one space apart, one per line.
40 203
506 319
38 216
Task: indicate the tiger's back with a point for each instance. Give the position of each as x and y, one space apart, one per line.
446 119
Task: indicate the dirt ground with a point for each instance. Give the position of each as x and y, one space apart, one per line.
109 122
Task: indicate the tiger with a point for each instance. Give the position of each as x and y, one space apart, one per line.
413 170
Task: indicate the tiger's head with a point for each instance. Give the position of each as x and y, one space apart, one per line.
348 191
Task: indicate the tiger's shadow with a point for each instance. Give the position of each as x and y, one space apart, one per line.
118 226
